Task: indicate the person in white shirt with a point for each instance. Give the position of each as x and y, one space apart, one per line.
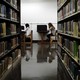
28 32
28 39
51 31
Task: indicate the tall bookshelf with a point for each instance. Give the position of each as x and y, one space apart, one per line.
68 39
10 53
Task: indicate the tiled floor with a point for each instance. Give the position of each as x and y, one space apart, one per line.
41 66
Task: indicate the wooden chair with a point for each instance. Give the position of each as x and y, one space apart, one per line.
23 43
28 44
53 40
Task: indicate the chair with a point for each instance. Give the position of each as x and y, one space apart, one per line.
28 41
53 40
23 52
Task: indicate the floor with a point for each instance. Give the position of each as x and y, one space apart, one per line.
40 63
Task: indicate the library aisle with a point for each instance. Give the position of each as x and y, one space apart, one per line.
39 67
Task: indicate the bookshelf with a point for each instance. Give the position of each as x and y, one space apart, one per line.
68 39
10 31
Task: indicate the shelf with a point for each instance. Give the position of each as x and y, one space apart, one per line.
6 72
70 36
7 37
10 43
8 52
9 5
16 61
64 4
8 20
70 17
66 69
69 54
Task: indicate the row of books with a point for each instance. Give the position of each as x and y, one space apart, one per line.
70 27
5 46
60 3
7 61
13 15
60 39
72 47
7 29
70 8
14 42
13 3
2 10
7 13
69 64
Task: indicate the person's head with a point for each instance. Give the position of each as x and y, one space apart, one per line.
27 25
51 25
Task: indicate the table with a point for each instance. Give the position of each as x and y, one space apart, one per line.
42 33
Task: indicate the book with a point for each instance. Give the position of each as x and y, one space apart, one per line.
13 15
78 76
66 60
3 65
8 45
73 68
14 3
13 28
0 9
4 29
75 28
78 5
75 49
9 61
69 27
1 29
79 54
73 6
8 30
8 13
79 28
3 10
0 69
13 55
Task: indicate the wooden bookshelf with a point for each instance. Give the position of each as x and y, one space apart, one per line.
8 20
9 36
69 36
10 31
70 17
9 5
8 52
69 54
63 4
66 69
68 39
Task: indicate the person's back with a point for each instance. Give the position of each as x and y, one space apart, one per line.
28 29
51 31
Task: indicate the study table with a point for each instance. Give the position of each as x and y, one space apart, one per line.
42 34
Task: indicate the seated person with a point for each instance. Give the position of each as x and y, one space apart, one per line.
28 33
51 31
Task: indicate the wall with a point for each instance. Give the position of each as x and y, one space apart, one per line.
38 11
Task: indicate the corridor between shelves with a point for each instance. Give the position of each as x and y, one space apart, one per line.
41 69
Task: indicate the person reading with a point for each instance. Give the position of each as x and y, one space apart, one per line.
51 31
28 32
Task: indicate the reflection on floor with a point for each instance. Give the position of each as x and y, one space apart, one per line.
42 65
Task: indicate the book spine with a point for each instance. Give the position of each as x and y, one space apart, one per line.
78 5
75 49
